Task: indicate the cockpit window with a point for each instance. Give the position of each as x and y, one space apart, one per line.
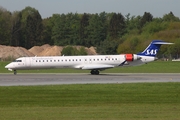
17 61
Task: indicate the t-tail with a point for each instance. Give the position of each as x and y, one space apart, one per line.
148 55
153 48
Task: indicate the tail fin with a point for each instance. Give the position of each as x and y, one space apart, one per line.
153 48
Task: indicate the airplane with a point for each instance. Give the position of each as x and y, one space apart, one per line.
94 63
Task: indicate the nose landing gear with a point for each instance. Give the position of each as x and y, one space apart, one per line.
15 72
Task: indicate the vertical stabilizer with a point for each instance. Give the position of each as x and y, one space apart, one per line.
153 48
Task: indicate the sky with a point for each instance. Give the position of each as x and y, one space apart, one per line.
47 8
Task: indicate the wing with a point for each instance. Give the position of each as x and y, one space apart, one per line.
94 67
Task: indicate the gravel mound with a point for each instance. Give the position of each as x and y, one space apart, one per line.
11 53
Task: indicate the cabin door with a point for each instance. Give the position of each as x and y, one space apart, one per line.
27 62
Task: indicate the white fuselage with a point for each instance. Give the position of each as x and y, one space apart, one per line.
93 62
80 62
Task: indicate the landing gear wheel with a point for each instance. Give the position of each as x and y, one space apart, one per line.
15 72
94 72
97 72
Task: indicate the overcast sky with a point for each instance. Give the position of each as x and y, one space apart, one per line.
135 7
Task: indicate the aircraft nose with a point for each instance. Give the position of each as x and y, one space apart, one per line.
9 66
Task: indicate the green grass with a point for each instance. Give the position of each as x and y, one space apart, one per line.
153 67
157 101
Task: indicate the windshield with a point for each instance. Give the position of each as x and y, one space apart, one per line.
17 61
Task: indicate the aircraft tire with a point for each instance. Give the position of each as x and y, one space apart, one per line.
94 72
15 72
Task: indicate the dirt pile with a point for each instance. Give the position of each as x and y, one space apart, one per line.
91 51
51 51
10 53
46 50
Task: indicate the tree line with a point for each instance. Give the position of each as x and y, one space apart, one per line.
110 33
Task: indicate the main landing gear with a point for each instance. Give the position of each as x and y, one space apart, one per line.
15 72
94 72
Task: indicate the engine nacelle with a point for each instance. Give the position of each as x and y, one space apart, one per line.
132 57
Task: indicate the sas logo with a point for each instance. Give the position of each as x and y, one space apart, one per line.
151 52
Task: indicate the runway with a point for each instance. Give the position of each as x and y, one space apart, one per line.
54 79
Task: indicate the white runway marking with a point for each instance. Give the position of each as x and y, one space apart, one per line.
54 79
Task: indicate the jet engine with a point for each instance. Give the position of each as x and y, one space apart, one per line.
132 57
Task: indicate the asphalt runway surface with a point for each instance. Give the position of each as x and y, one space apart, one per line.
55 79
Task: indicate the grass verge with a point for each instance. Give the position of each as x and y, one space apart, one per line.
140 101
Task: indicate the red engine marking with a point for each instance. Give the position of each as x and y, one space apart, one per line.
129 57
